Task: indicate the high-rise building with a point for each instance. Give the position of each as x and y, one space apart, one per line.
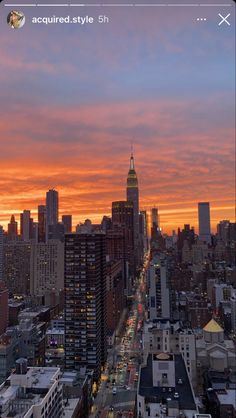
67 222
3 307
41 223
51 208
1 251
114 294
122 213
16 266
154 225
226 231
106 223
34 231
154 216
159 288
12 229
186 239
46 268
85 301
56 231
123 218
143 228
26 225
133 196
204 223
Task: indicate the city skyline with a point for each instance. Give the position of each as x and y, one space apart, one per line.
98 218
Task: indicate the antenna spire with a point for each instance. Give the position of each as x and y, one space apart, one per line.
132 157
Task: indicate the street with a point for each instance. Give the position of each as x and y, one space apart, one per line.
117 391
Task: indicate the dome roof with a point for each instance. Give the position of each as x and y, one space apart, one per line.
213 326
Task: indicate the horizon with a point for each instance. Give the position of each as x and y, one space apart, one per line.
187 212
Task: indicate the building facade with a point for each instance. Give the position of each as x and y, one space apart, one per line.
85 301
204 222
46 268
132 193
51 209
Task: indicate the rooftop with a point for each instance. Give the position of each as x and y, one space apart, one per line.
227 397
157 394
21 391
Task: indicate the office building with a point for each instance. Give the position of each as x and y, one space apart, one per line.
114 294
26 225
16 266
123 214
12 230
67 222
132 192
32 392
106 223
122 219
51 209
46 268
56 232
85 301
159 289
204 224
41 223
155 217
143 229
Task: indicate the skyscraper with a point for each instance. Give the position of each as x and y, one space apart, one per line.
204 222
154 224
159 290
155 219
122 213
85 301
67 222
46 268
122 220
143 229
133 196
26 225
16 266
51 209
12 229
41 223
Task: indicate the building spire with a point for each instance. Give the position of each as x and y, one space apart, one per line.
132 157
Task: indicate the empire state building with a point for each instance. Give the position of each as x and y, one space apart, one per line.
133 196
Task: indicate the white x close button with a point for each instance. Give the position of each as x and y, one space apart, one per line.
224 19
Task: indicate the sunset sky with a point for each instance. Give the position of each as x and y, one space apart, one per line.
73 98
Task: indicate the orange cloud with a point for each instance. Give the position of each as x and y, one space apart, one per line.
83 152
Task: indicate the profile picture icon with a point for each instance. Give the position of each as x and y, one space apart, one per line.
16 19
